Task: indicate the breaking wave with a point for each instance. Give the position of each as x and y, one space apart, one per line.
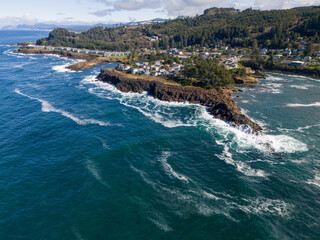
47 107
62 68
315 104
177 114
242 167
169 170
191 199
315 181
302 87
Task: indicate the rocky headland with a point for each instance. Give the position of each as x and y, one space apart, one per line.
220 103
90 60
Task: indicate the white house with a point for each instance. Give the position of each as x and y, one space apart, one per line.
296 63
134 70
263 51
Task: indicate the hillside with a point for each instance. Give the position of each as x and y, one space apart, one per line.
273 29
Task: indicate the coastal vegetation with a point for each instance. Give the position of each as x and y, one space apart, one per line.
206 73
221 47
272 29
312 70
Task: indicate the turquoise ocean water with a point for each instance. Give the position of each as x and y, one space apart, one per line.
80 160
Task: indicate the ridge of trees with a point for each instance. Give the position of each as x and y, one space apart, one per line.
227 26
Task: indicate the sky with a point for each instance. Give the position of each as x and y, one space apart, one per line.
15 12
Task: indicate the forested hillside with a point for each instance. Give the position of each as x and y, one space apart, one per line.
228 26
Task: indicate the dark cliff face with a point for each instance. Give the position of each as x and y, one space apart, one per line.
220 105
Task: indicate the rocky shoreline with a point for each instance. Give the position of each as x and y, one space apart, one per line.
292 73
90 60
220 103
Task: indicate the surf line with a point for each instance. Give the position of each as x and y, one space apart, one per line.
47 107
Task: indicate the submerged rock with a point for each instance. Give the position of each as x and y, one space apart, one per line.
220 103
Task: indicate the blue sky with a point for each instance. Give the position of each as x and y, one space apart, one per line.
14 12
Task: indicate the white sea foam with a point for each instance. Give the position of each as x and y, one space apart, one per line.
191 199
315 104
62 68
298 77
157 218
145 177
246 112
169 170
274 78
302 87
265 206
315 181
47 107
241 166
241 139
167 114
94 171
103 142
299 129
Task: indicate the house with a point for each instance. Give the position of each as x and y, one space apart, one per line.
296 63
224 48
106 54
164 72
287 51
154 74
183 57
123 67
155 68
308 58
134 70
153 38
278 57
263 51
173 51
94 52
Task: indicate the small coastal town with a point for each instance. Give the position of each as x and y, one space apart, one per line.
228 57
76 50
153 120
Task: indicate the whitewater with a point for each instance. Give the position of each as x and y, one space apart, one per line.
82 160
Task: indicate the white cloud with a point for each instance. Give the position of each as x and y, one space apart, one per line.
25 19
192 7
271 4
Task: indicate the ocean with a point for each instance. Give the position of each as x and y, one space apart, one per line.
81 160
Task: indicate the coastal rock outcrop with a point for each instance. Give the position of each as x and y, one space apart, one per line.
220 103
